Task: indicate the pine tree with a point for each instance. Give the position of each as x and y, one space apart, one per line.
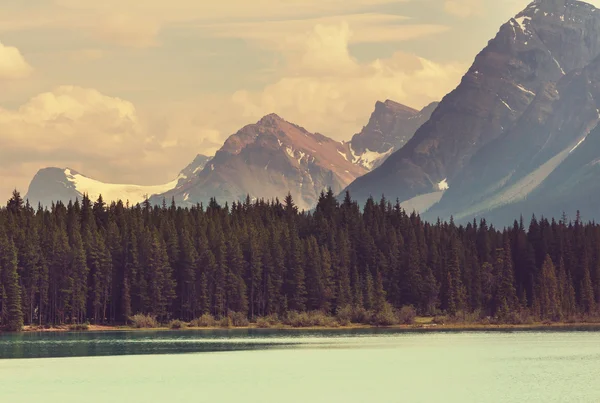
161 284
506 295
11 298
588 302
315 284
79 272
255 269
295 276
456 291
549 292
342 271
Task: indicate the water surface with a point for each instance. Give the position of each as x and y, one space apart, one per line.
301 366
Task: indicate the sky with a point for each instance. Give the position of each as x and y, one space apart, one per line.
129 91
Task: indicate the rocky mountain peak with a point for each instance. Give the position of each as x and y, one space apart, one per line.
271 120
394 107
390 126
539 46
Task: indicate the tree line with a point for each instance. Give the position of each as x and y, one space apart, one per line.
92 262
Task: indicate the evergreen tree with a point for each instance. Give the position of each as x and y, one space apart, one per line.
11 290
549 292
456 293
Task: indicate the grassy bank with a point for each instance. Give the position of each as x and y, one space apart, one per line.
319 321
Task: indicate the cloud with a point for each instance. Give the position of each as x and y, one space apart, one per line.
286 34
138 23
69 125
108 138
186 10
464 8
326 89
84 55
12 63
123 29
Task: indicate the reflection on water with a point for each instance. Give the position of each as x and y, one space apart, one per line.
84 344
57 344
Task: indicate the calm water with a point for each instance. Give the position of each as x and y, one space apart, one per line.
299 366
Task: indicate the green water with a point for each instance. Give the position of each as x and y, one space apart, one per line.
299 366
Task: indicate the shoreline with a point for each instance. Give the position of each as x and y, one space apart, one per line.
458 327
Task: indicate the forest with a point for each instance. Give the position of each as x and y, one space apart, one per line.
92 262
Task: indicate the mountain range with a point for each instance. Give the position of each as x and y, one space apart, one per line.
266 160
519 135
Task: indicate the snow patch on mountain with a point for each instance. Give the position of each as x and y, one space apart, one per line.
113 192
525 90
443 185
577 145
290 151
523 22
369 158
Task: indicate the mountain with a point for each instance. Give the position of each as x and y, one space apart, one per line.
499 113
390 127
56 184
511 168
267 160
570 188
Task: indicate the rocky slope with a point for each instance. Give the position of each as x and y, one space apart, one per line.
495 99
512 167
267 160
570 188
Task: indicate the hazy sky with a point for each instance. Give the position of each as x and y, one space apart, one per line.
131 90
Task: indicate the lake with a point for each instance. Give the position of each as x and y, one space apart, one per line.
300 366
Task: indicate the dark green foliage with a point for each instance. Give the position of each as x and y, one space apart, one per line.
11 295
260 260
549 292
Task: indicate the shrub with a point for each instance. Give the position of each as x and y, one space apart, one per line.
344 315
310 319
225 322
238 319
79 327
177 324
385 317
263 323
140 321
206 320
268 321
362 315
407 315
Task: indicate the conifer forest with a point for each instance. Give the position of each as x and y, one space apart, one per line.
97 263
